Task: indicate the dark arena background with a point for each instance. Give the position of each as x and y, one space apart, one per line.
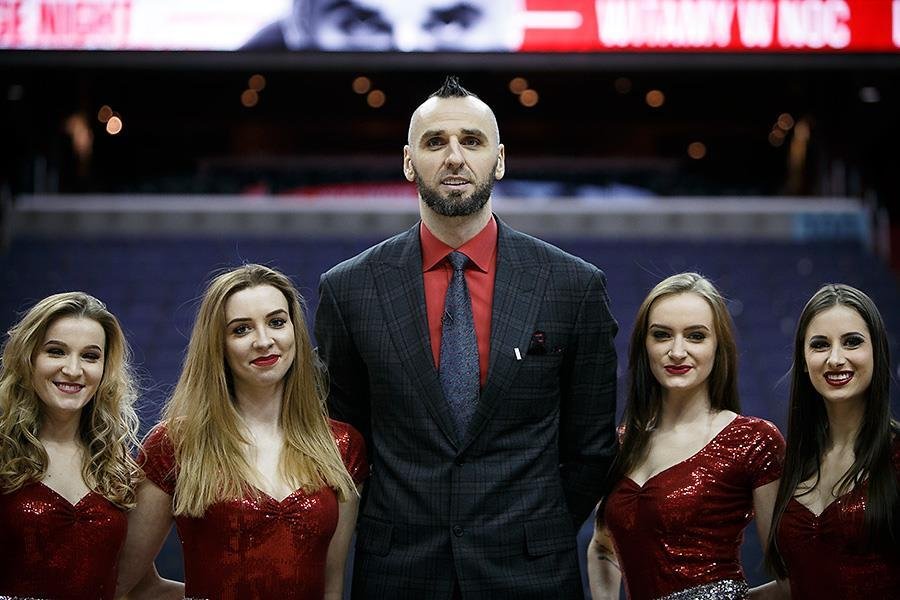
147 144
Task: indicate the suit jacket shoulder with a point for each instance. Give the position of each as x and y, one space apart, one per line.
521 247
392 250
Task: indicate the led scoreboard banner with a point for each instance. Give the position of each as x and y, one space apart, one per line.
517 26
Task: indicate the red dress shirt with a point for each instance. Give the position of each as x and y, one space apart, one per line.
482 253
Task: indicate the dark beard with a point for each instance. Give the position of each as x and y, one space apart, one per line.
455 204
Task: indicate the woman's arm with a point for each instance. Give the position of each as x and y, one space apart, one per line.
148 525
764 506
336 559
604 574
774 590
154 587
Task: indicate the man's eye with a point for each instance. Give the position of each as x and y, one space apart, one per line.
471 142
434 143
462 15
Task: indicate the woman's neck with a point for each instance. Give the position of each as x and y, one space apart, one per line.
60 428
844 422
260 407
684 408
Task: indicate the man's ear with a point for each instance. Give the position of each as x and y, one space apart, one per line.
500 169
408 170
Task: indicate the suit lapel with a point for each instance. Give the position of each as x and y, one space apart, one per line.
519 286
401 293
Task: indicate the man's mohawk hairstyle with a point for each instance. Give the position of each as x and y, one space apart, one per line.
452 89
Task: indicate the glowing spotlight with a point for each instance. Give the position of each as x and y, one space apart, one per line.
870 94
376 99
517 85
696 150
257 83
82 137
249 98
362 85
785 121
529 98
104 113
655 98
114 125
622 85
776 137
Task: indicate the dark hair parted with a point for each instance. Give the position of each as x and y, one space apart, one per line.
808 435
452 89
644 401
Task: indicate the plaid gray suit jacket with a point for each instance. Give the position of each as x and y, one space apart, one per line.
496 509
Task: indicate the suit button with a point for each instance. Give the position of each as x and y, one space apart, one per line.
457 530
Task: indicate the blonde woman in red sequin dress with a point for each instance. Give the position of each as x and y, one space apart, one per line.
836 529
261 484
691 470
67 428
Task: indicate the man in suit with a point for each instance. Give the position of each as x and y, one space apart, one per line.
488 447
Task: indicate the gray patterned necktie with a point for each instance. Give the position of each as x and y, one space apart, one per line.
459 369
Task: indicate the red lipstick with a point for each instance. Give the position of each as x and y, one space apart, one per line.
266 361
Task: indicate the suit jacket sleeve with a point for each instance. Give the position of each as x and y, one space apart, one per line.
588 407
348 394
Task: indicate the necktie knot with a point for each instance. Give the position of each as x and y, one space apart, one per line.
457 260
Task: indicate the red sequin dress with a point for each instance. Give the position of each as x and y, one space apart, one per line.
51 548
683 528
827 555
255 547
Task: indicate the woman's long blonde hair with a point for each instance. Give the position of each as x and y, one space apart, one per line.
204 425
108 426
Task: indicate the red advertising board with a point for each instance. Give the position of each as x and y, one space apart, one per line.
676 26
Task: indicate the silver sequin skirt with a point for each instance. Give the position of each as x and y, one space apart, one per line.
729 589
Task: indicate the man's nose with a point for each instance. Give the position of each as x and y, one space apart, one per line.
454 156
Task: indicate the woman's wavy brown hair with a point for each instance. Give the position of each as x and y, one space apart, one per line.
108 426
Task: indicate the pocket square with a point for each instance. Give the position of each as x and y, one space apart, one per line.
538 344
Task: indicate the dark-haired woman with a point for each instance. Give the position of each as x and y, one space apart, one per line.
691 470
836 527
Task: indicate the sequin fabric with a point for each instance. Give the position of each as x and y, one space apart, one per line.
827 555
50 548
683 528
256 547
720 590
